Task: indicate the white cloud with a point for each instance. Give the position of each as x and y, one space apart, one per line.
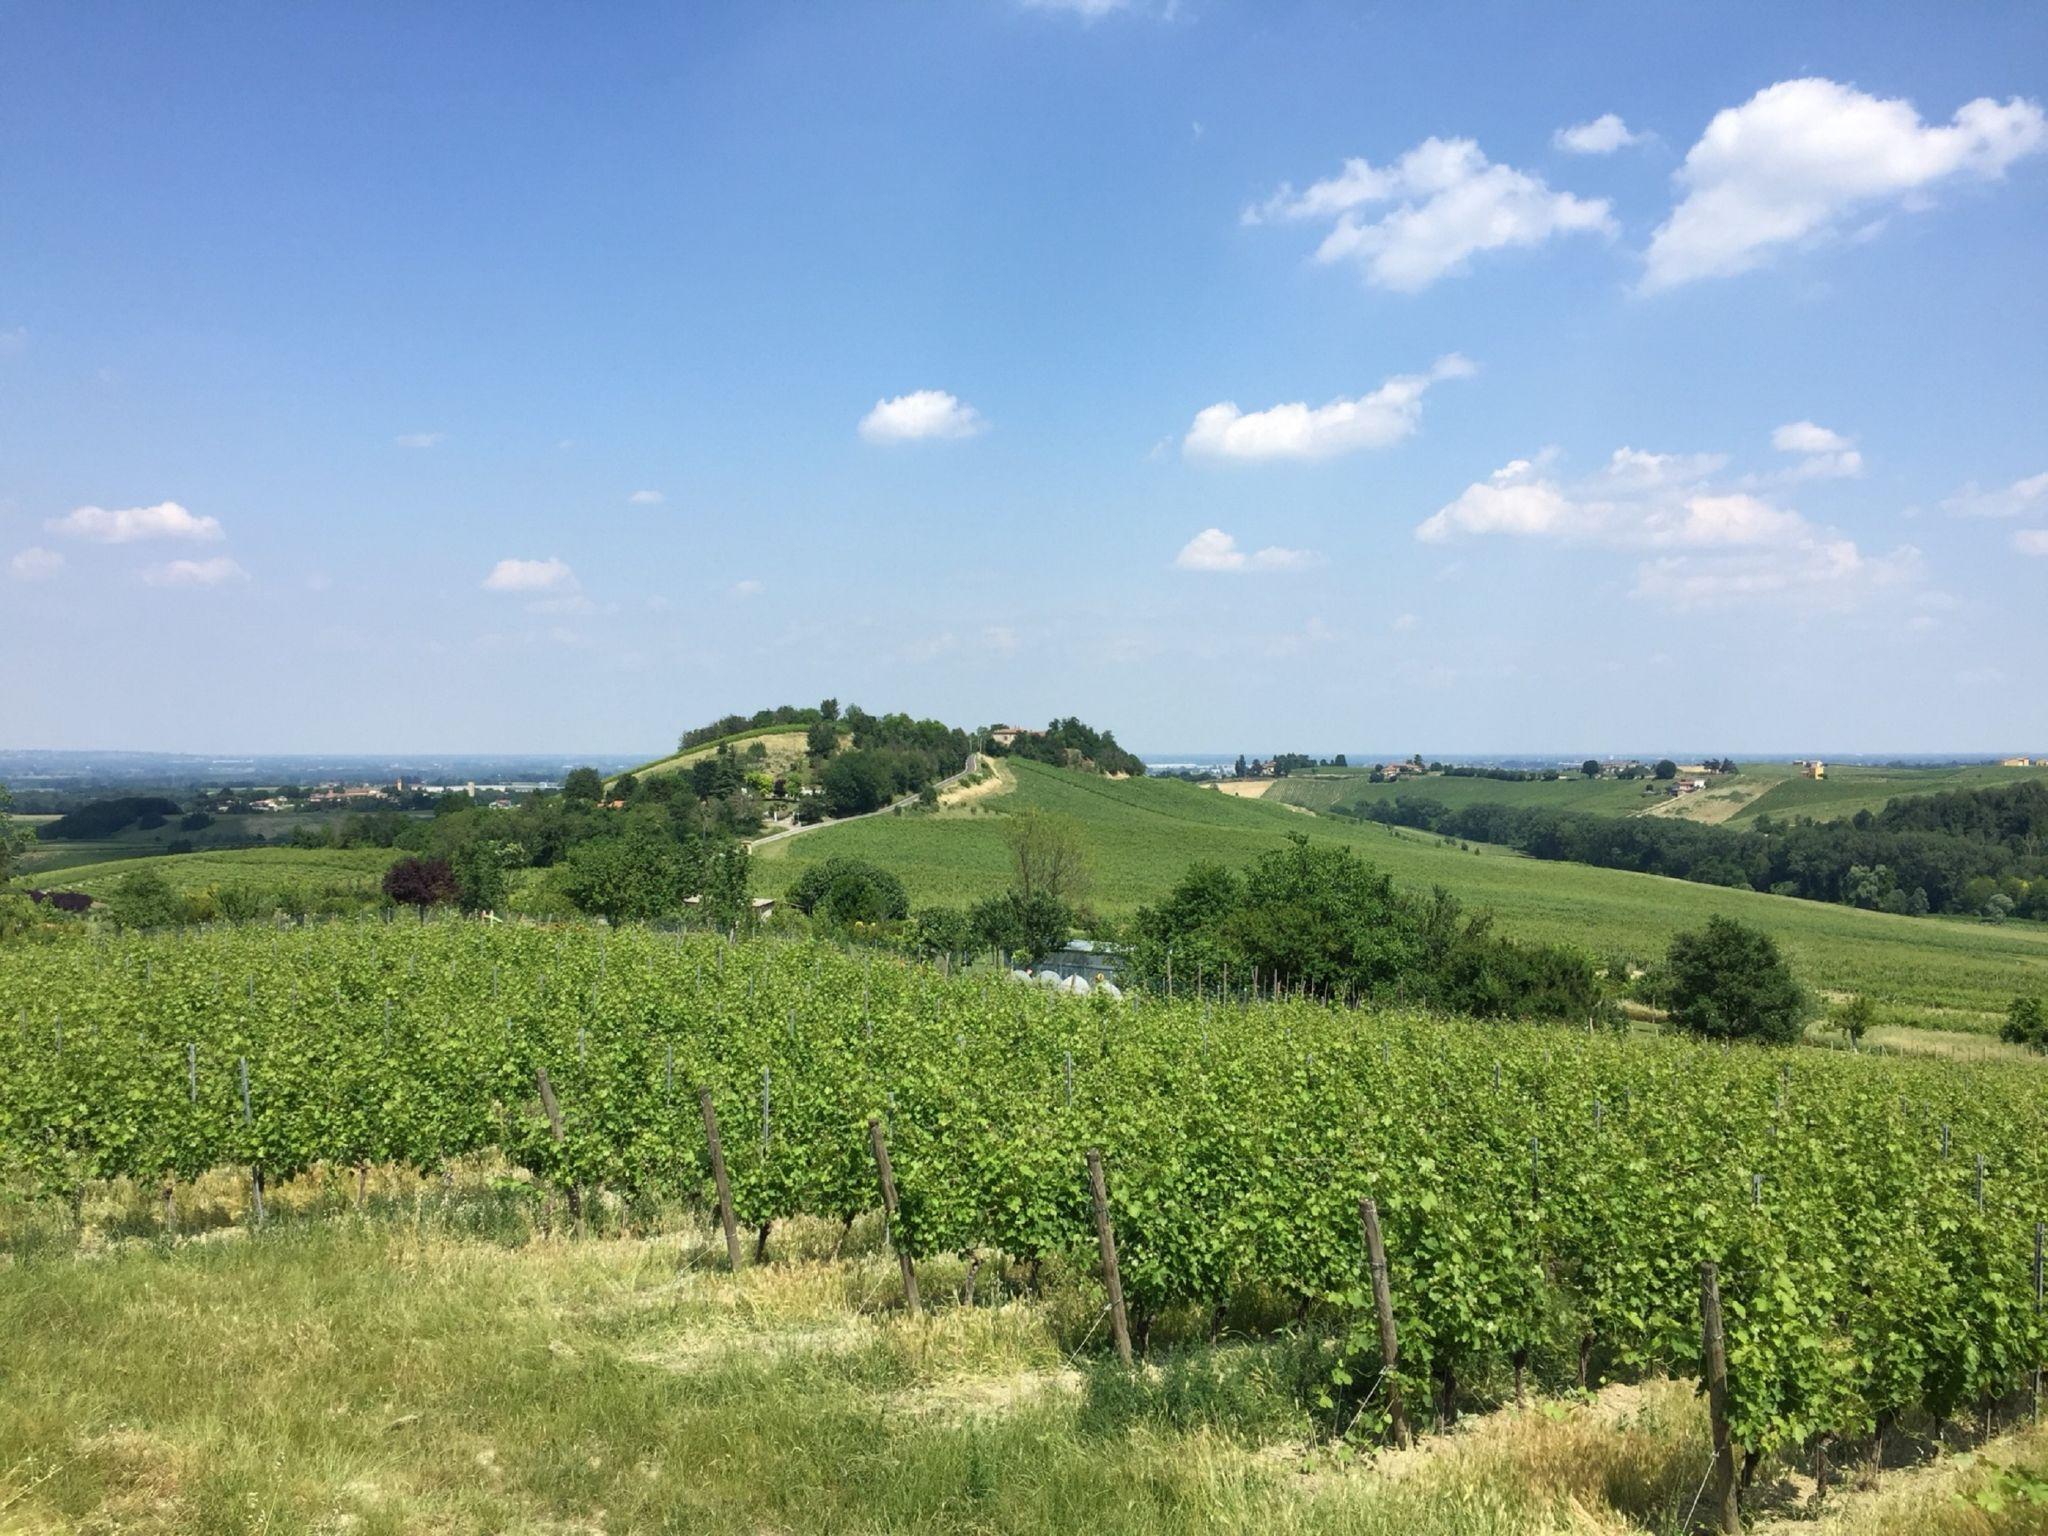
128 525
1448 202
646 499
1827 454
749 588
923 413
1001 639
14 342
195 573
549 575
35 564
1301 431
1087 10
2015 500
1602 136
1703 544
1402 623
1214 550
1793 161
2030 541
419 439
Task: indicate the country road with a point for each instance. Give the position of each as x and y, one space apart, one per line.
973 762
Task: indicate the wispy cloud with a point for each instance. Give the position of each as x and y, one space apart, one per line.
1825 454
1300 431
749 587
129 525
1425 216
420 439
920 415
216 572
549 575
2019 499
1213 550
646 499
2030 541
35 564
1602 136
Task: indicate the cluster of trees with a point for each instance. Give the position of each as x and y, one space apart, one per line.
104 818
1978 852
1069 743
2026 1023
790 715
1321 918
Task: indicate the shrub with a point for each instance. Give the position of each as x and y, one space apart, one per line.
1027 927
1855 1017
1728 981
2026 1022
843 890
417 882
144 899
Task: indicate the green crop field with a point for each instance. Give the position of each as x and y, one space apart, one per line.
262 870
1849 789
44 858
1142 833
1330 790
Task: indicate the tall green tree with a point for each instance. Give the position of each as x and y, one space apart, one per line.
15 839
1728 981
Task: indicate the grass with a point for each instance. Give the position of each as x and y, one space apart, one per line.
46 857
1849 789
440 1364
1601 797
785 745
264 870
1143 833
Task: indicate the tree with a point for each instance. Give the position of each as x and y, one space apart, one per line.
2026 1022
829 710
1666 769
1239 772
14 838
480 865
1022 927
417 882
822 739
583 784
1340 761
1590 767
1728 981
1048 856
855 783
637 876
144 899
843 890
1855 1017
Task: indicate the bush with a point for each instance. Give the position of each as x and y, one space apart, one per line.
1728 981
843 890
855 783
144 899
1855 1017
2026 1022
416 882
1026 927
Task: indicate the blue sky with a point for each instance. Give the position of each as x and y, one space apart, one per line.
1462 379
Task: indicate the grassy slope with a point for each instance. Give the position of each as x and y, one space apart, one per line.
437 1366
265 869
1144 832
1609 797
136 844
785 745
1847 790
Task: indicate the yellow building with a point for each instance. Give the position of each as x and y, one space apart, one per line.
2016 762
1813 770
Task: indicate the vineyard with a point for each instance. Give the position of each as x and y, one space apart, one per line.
1547 1196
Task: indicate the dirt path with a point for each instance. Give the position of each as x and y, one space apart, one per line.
973 760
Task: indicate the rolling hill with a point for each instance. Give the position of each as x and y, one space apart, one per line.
1143 833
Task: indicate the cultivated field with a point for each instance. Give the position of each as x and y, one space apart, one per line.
1143 833
264 871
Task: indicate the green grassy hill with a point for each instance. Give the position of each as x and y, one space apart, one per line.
1847 790
1331 789
1144 832
264 870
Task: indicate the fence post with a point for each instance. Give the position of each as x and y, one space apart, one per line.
1726 1503
249 1119
888 1178
1383 1308
554 1114
719 1179
2039 1232
1105 1238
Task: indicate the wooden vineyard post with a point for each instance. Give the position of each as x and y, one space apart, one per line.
888 1178
719 1179
554 1114
1383 1309
1715 1349
1105 1238
249 1118
2039 1233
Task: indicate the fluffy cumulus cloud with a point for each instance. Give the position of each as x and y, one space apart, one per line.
921 414
1213 550
35 564
1702 544
1301 431
1823 454
1799 158
1602 136
2031 541
549 575
2019 499
129 525
219 571
1427 214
